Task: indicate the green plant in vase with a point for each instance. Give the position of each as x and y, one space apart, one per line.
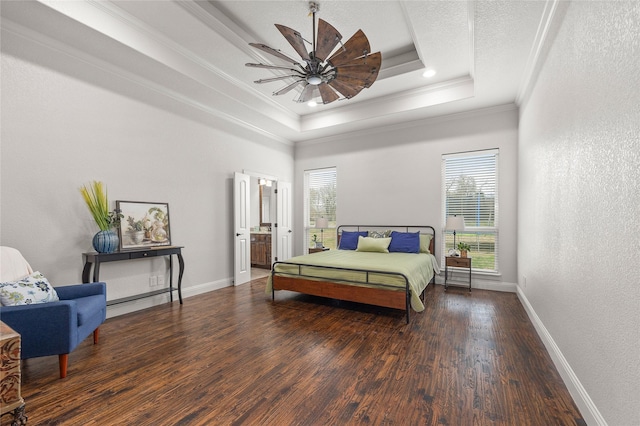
95 196
464 248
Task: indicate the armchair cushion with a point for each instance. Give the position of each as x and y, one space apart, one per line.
34 288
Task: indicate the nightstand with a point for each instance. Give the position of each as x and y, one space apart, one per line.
456 262
317 250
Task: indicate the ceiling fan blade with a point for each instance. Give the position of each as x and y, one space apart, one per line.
269 80
364 70
295 40
355 47
360 83
372 61
307 93
273 52
287 88
346 90
272 67
328 38
357 71
353 81
327 93
365 79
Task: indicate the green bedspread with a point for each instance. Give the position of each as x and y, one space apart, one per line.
418 268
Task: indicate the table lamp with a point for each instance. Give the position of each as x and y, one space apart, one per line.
454 223
322 223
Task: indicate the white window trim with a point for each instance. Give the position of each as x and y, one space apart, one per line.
470 229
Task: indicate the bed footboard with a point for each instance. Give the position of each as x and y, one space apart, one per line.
377 295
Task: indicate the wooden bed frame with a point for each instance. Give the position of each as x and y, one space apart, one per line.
378 296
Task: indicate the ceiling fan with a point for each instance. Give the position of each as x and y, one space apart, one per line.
345 73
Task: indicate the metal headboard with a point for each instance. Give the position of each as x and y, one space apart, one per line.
400 228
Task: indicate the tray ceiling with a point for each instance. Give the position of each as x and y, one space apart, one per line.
194 52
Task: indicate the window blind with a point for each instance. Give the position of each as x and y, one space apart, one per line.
320 201
470 189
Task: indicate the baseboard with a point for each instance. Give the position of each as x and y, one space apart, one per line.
148 302
585 404
494 285
482 284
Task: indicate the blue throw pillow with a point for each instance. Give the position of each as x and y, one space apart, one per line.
405 242
349 240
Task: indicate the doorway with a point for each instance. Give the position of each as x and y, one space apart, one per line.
263 229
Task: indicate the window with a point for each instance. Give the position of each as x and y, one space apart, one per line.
470 189
320 202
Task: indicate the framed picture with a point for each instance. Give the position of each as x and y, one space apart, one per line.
143 224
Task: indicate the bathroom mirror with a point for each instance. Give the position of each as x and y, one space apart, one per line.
265 206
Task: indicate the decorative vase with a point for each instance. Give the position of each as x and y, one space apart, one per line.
463 253
106 241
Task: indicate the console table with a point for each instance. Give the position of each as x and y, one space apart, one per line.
95 259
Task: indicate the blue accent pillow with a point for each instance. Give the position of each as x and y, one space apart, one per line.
349 240
405 242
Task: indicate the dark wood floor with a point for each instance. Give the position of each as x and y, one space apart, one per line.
233 357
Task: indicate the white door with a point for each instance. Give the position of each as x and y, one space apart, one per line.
284 212
242 231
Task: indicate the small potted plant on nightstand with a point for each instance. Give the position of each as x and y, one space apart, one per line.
464 248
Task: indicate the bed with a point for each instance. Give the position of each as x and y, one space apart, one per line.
363 270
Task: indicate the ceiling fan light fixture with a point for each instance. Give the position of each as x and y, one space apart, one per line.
314 79
351 68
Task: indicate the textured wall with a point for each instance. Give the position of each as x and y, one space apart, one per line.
579 201
60 131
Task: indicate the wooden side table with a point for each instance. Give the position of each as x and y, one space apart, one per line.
317 249
10 375
456 262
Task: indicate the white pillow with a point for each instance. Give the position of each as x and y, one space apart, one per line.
32 289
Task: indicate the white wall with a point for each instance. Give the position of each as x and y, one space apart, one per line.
394 176
579 207
65 123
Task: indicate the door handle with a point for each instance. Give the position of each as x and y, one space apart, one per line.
290 231
238 234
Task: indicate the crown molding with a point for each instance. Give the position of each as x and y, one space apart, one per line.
447 91
62 48
471 10
239 37
288 118
551 16
465 115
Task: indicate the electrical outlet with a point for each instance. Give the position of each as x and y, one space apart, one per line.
153 281
160 280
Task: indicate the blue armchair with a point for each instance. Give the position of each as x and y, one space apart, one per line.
56 328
